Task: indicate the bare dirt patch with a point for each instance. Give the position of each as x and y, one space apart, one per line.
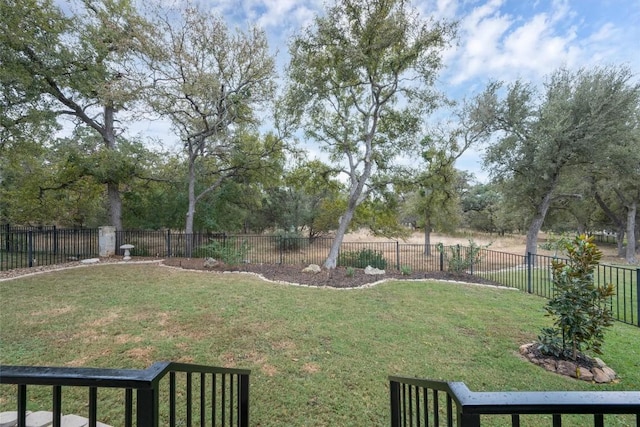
310 368
142 354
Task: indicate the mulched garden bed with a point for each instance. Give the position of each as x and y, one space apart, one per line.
338 278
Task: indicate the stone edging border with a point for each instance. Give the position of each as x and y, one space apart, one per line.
260 276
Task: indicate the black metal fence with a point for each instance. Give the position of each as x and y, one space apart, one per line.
22 247
165 394
531 273
420 402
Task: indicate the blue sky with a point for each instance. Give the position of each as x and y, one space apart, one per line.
498 39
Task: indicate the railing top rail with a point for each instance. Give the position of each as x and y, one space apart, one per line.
102 377
84 377
533 402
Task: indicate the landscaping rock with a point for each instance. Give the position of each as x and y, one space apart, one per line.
90 261
211 263
587 369
373 271
567 368
585 374
312 268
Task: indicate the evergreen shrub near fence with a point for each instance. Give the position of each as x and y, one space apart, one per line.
21 248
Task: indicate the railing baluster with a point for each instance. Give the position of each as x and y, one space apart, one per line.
231 402
57 406
449 411
557 420
418 406
128 408
425 395
22 405
189 399
515 420
598 420
93 406
436 414
172 399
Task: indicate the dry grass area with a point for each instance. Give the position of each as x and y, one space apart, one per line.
511 243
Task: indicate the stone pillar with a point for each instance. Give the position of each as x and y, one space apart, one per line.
107 241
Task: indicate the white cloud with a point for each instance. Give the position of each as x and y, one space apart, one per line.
504 46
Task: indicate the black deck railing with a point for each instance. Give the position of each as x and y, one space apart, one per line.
420 402
166 393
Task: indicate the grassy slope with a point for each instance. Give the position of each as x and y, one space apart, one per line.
318 356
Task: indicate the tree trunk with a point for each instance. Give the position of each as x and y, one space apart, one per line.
536 224
113 188
620 240
427 235
191 209
115 205
332 259
632 209
615 219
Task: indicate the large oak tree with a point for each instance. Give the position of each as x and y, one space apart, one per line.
542 135
361 80
210 83
79 65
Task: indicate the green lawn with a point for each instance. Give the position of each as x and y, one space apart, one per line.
318 357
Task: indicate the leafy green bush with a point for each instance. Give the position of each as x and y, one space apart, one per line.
405 270
230 251
362 259
579 307
351 272
289 240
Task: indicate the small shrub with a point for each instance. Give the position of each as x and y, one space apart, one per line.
351 272
579 307
362 259
230 251
288 240
462 259
405 270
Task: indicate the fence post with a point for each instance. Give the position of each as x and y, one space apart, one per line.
442 259
243 401
394 388
397 255
638 296
529 272
30 247
147 407
168 243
